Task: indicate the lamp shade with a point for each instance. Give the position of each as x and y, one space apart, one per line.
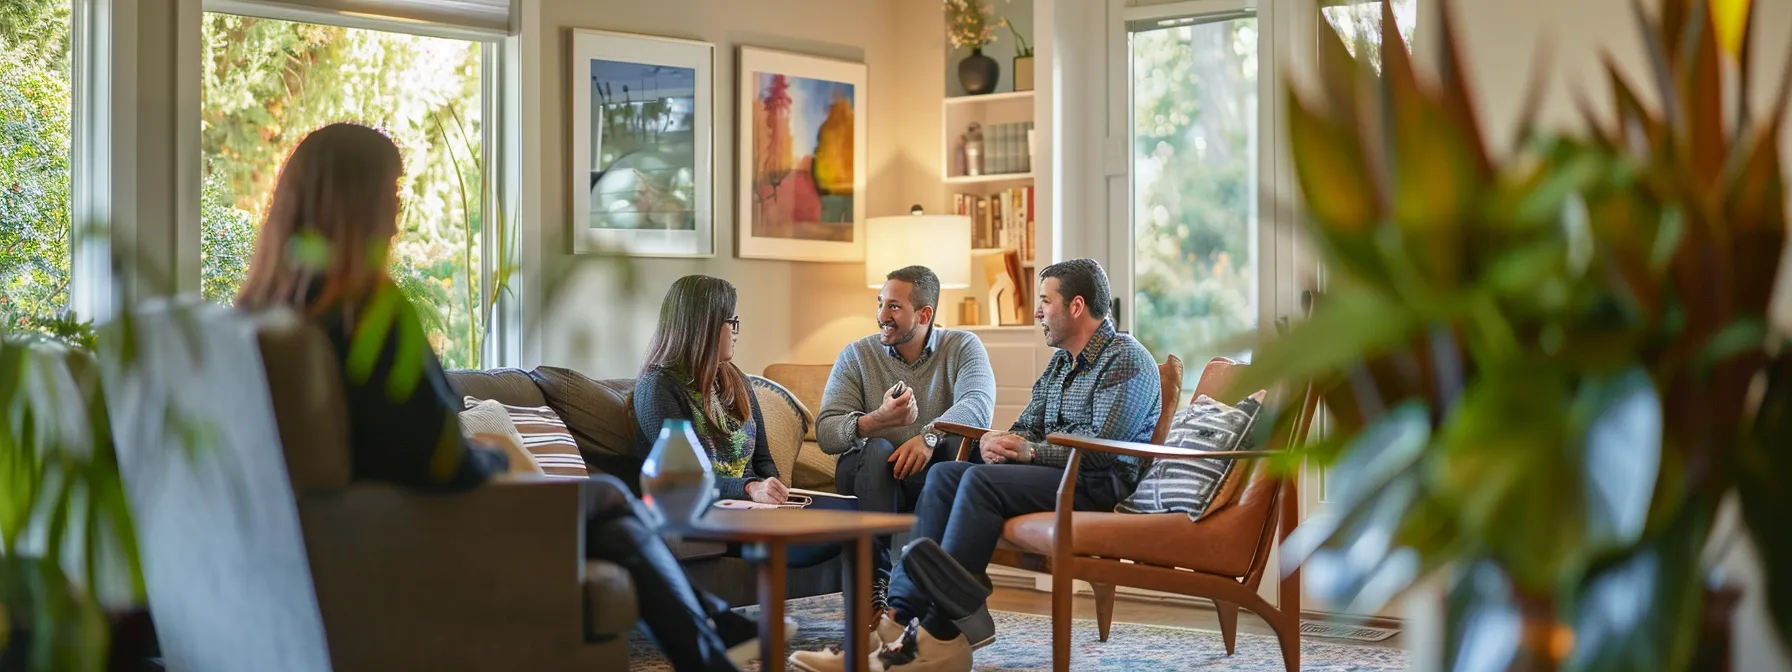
939 242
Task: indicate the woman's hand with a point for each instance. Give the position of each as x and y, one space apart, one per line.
768 491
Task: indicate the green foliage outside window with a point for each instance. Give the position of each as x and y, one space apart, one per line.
1194 155
34 161
268 83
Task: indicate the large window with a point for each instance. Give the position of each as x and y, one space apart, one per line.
1358 22
269 82
36 68
1196 157
1194 173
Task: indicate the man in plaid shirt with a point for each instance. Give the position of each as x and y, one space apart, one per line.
1100 383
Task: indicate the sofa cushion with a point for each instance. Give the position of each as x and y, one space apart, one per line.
1190 486
814 469
544 434
785 424
490 422
598 414
511 387
609 600
806 382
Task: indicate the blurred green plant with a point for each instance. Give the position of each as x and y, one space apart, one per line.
1545 372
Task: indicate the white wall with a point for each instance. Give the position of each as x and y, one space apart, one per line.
791 311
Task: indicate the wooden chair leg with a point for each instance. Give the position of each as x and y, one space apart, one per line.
1104 607
1062 594
1228 624
1287 629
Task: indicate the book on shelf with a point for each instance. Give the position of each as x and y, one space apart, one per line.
1005 219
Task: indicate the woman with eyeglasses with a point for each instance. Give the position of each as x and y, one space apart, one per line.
689 374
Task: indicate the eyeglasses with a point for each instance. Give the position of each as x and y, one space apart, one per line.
733 324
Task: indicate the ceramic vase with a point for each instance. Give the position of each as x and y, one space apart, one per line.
677 484
978 74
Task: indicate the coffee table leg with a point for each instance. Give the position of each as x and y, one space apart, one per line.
858 603
772 570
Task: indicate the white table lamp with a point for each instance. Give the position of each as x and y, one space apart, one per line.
939 242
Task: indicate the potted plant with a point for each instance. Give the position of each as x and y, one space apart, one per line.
62 505
967 26
1023 58
1545 371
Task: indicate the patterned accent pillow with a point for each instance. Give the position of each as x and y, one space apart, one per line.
1189 485
545 435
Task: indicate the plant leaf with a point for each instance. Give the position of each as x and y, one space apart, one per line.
1766 501
1341 330
1332 171
1642 612
1485 625
1621 456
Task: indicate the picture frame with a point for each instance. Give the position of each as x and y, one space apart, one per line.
643 154
801 197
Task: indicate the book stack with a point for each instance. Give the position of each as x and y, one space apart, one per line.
1000 220
1007 148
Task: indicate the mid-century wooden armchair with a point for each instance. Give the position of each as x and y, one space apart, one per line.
1223 557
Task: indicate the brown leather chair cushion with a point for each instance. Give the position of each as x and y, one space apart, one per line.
1169 375
1216 377
1221 543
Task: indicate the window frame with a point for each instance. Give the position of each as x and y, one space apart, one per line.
501 161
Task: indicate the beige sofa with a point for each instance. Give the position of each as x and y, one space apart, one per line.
814 469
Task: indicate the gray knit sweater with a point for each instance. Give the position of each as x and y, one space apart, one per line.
952 381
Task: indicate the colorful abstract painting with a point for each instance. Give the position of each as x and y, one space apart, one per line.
802 149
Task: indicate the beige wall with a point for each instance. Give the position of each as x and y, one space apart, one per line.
1502 38
801 312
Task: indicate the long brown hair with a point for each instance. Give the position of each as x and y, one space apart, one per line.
689 340
332 216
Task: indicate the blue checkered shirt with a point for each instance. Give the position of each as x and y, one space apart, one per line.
1110 390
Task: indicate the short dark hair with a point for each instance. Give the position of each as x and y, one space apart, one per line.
927 285
1084 278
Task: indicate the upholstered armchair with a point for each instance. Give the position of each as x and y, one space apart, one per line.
260 553
1223 557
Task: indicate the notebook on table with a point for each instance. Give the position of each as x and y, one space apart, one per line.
799 499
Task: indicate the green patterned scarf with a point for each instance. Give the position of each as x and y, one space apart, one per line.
731 448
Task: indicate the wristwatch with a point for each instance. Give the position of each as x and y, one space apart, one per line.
932 437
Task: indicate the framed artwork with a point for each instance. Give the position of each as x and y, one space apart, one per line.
643 158
802 158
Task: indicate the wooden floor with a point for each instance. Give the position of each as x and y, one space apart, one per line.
1145 612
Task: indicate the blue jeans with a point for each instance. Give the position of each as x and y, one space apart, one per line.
964 506
868 474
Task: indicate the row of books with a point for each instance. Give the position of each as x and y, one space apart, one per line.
1003 219
1007 148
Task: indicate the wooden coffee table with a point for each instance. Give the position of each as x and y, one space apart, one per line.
766 536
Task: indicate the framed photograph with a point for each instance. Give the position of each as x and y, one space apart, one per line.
643 159
802 158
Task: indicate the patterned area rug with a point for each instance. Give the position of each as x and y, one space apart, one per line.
1023 642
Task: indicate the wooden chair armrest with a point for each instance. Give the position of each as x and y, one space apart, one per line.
1150 451
970 433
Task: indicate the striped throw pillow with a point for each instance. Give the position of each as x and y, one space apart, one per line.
1190 485
545 435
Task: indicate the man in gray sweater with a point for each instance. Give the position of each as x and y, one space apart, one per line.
887 389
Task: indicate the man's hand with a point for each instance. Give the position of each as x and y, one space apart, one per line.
768 491
1003 447
911 457
898 409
